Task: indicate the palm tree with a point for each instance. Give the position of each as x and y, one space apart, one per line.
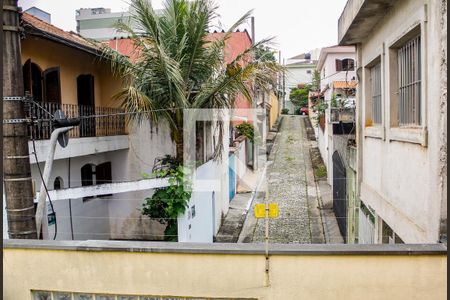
178 68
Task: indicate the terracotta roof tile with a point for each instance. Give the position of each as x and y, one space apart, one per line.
36 23
345 84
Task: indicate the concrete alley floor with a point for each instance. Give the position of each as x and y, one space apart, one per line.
291 184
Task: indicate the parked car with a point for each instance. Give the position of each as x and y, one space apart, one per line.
304 111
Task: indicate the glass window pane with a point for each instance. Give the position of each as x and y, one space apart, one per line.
62 296
83 297
40 295
104 297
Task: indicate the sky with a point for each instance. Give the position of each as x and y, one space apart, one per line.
298 26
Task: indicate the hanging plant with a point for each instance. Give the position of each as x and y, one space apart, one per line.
247 130
167 203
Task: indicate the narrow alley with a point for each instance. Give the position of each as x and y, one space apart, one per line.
291 184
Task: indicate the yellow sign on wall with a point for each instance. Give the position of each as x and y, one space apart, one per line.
260 210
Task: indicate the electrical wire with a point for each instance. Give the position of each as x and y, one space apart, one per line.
45 186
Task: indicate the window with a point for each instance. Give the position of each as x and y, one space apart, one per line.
52 85
375 82
346 64
93 175
409 83
58 183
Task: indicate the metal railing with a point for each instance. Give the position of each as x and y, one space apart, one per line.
375 77
95 121
344 115
409 69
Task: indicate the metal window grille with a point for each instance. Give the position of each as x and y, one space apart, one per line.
409 79
375 77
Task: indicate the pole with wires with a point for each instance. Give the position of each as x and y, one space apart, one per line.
16 160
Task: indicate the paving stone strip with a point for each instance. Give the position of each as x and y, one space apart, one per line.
287 186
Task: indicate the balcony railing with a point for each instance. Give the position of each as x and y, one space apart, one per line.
344 115
107 124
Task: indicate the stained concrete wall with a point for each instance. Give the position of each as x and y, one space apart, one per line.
404 169
226 271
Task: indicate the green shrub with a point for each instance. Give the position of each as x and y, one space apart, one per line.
247 130
167 203
285 111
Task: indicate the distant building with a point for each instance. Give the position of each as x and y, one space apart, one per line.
39 13
300 71
100 23
401 118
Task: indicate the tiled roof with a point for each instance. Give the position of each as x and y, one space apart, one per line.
345 84
30 22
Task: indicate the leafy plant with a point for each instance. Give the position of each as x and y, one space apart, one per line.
178 65
247 130
320 108
338 102
315 85
299 97
285 111
264 53
167 203
320 172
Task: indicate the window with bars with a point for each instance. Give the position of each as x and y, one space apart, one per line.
375 78
409 83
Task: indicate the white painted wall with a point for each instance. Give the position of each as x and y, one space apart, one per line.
403 180
210 198
118 216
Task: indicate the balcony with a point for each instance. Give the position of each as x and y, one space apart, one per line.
359 17
108 123
104 133
342 115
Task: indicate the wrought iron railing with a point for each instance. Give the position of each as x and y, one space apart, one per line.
95 121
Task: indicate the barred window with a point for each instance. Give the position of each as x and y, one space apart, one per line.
409 82
375 78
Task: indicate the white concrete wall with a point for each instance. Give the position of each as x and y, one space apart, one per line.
146 142
118 216
210 198
403 180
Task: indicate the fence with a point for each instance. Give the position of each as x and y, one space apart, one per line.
104 120
136 270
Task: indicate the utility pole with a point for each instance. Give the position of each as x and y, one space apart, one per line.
16 160
284 84
252 20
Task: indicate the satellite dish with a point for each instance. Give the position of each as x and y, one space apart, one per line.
63 138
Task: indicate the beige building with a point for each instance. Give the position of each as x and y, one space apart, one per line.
401 117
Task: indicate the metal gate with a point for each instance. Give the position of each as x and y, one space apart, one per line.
340 194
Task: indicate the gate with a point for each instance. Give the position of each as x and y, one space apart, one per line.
232 176
340 194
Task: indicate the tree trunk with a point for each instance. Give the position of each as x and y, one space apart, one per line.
16 168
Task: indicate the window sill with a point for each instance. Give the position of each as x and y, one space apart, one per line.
412 135
376 132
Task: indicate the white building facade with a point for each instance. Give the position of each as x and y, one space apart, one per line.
401 117
299 71
337 80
